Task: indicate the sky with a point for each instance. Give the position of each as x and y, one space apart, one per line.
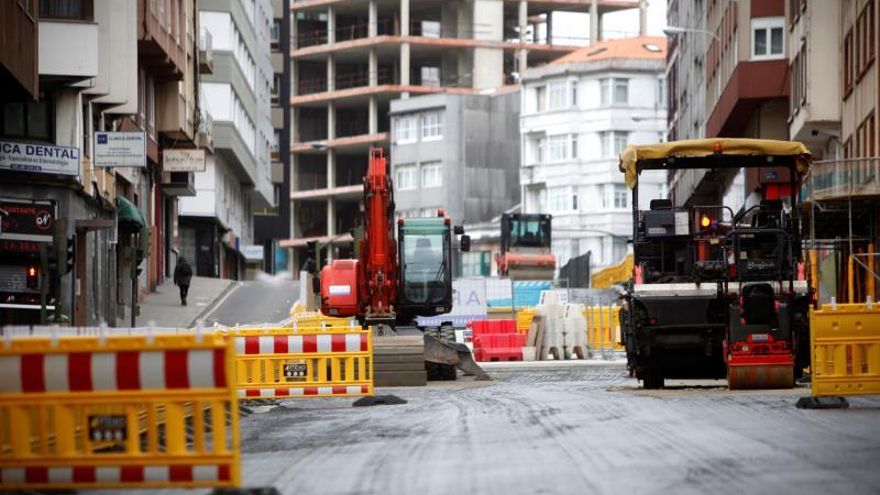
575 28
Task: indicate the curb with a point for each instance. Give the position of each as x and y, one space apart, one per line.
210 308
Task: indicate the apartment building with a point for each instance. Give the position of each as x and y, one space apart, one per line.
218 221
747 88
579 113
96 71
685 70
836 117
351 58
272 225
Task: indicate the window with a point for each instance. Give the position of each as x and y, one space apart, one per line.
276 89
276 144
81 10
767 38
476 264
27 120
863 55
613 143
151 107
798 81
561 147
562 199
540 98
432 126
536 150
275 32
616 197
432 174
848 63
407 177
574 93
614 91
557 96
406 129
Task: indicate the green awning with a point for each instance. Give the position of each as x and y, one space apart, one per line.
130 217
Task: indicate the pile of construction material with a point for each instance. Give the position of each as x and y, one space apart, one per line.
557 331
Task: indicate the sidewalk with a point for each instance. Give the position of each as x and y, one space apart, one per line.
162 308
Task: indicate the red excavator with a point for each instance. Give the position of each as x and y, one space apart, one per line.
393 281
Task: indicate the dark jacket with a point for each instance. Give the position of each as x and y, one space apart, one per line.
182 272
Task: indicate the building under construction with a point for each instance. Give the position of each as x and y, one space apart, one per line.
352 57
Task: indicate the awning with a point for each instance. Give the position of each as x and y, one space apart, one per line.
130 217
707 147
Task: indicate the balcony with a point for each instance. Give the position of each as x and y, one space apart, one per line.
175 118
841 179
206 52
68 50
160 45
179 183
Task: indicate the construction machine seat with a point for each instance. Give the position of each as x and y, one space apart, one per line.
758 304
657 204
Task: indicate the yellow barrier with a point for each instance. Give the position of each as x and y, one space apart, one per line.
603 328
524 319
312 361
113 412
309 319
614 274
845 345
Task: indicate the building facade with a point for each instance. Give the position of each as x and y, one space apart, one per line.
218 221
102 67
836 118
685 71
351 59
579 113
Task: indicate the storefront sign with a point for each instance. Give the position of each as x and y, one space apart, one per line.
183 160
40 158
252 252
25 220
120 149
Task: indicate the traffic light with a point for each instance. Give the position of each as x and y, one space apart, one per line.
70 256
32 277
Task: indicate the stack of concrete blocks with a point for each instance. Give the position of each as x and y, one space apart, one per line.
553 316
574 332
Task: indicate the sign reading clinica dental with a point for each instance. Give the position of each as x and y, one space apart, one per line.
120 149
39 158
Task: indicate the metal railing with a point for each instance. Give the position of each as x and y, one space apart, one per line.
345 81
837 179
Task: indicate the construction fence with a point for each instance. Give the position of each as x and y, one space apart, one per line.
845 341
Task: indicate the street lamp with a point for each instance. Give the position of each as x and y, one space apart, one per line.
673 30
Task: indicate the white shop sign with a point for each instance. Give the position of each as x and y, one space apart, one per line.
191 160
120 149
40 158
252 252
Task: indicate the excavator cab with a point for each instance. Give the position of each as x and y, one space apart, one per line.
425 252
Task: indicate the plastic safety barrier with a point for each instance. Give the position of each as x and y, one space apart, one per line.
845 340
603 328
303 361
118 412
524 319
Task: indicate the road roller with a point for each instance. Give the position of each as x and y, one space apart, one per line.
718 291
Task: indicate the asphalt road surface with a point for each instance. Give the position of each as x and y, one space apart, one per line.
266 300
577 430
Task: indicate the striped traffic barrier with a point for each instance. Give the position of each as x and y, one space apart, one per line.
111 412
303 361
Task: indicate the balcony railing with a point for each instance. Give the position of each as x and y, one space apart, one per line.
345 81
384 27
206 130
837 179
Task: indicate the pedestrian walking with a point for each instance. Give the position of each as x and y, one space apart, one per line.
182 275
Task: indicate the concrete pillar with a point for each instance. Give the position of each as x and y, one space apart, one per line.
404 47
331 120
373 22
373 118
331 169
331 25
522 57
331 73
331 218
643 17
594 21
373 70
550 28
601 28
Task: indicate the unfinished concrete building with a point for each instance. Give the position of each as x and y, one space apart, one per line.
352 57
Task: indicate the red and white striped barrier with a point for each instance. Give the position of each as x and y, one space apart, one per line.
92 475
112 371
297 344
331 391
